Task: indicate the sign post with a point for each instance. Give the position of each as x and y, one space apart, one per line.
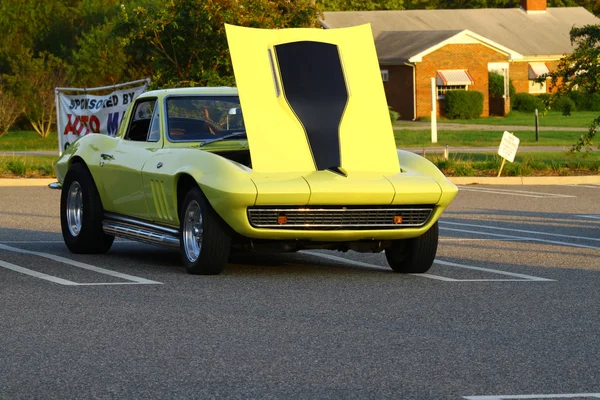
508 149
433 111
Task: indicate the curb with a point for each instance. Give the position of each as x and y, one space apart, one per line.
526 180
457 180
25 182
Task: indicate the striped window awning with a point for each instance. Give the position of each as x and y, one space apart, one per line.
453 77
536 69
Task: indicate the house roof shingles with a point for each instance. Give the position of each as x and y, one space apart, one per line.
532 35
397 46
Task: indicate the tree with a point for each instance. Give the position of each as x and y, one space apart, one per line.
100 59
10 109
184 41
34 81
580 70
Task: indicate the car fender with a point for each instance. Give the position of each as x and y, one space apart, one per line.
88 149
226 184
413 163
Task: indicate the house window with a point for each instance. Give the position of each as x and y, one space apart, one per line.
537 87
442 90
452 79
537 70
385 75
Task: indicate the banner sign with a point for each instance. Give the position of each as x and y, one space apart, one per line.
81 114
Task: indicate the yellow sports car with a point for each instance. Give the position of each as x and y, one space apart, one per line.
300 156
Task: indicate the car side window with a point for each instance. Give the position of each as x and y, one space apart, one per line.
154 134
139 126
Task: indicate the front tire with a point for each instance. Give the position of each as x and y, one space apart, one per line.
415 255
81 213
205 240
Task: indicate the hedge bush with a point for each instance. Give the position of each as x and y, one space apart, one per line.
463 104
564 104
585 101
496 85
546 98
527 102
394 115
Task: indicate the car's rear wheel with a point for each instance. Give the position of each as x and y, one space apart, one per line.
413 255
81 213
205 239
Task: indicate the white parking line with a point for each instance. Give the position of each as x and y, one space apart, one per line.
132 280
534 396
520 230
495 271
590 216
512 192
35 273
581 246
523 277
591 186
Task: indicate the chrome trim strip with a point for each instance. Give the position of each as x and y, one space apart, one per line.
374 226
139 234
323 213
137 222
337 209
55 185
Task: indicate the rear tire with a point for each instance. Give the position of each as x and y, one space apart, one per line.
205 240
81 213
415 255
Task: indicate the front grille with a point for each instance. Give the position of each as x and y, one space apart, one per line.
319 218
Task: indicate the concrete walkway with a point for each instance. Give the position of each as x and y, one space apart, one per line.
488 149
448 126
29 153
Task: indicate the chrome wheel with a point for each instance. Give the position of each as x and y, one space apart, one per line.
192 231
74 208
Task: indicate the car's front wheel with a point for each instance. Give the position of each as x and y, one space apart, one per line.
205 239
413 255
81 213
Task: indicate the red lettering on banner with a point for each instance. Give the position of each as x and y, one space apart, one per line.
82 125
94 124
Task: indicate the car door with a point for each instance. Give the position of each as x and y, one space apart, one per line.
121 169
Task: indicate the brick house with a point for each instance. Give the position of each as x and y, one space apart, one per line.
458 48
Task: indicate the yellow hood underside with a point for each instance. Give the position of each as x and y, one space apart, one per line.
313 99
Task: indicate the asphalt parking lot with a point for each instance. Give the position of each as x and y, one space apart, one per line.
510 310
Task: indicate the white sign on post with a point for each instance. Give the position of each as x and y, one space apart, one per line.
508 146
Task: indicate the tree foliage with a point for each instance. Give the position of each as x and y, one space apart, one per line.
10 110
34 81
361 5
580 70
184 41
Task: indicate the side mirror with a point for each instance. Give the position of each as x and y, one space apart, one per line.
234 111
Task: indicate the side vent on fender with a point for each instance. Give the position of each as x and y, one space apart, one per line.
159 196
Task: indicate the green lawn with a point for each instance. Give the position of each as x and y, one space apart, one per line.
526 164
28 140
30 167
422 138
581 119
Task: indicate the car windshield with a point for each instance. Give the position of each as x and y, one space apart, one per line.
205 118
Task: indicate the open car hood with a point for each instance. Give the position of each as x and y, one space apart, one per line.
313 99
